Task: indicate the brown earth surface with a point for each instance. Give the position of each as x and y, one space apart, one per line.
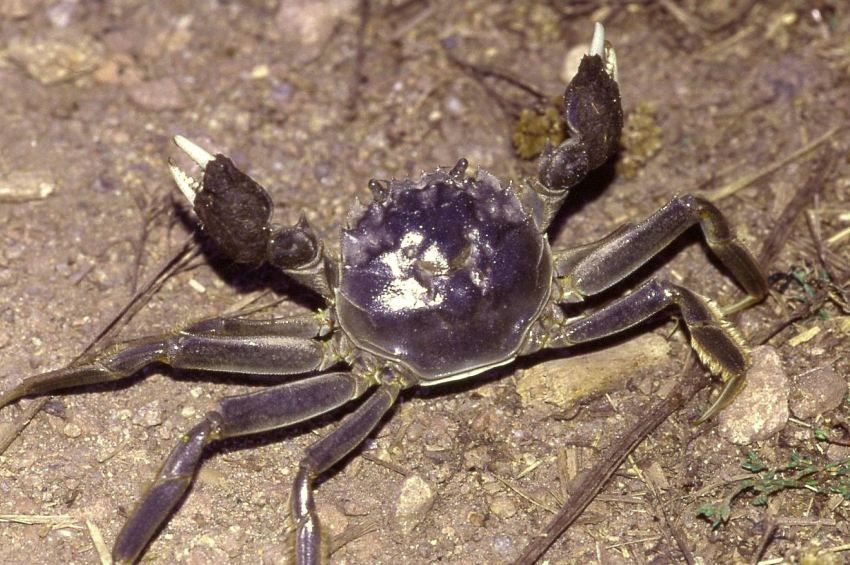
316 98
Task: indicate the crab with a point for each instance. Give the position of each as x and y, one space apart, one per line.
438 279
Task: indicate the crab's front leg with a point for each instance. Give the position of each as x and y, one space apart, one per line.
594 117
235 211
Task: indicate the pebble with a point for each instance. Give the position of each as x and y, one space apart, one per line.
816 391
72 430
503 545
503 506
149 415
56 59
760 411
157 95
414 501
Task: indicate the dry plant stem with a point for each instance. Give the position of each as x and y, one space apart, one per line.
672 526
186 253
821 168
357 76
766 538
747 180
591 482
20 424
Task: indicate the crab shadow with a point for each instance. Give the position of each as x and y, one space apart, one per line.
246 278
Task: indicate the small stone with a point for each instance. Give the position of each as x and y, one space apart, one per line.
816 391
149 415
17 9
20 186
72 430
414 501
503 545
761 409
503 506
60 58
157 95
476 518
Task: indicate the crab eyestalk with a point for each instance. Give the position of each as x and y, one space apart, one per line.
236 211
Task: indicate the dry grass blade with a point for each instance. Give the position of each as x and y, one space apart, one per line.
97 539
53 520
353 532
21 422
747 180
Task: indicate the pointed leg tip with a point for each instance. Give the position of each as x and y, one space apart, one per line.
727 394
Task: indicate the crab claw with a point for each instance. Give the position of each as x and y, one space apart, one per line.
188 185
234 210
594 118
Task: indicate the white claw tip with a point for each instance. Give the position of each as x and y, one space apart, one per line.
195 152
187 185
597 44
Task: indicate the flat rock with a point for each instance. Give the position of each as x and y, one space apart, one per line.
817 391
568 380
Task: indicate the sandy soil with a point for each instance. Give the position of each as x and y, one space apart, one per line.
314 99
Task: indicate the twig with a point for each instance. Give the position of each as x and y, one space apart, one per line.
522 494
747 180
821 169
20 424
592 481
99 545
479 72
52 520
661 513
388 464
180 259
766 538
352 533
188 251
358 77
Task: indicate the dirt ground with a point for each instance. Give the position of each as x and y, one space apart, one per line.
316 98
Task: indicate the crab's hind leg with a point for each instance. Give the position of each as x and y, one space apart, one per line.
267 409
281 346
715 340
594 117
235 211
594 268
